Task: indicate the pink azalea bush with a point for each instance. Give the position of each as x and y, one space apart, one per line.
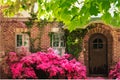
47 65
12 57
23 51
6 62
115 73
9 59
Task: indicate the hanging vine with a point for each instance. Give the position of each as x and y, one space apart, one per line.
40 24
74 41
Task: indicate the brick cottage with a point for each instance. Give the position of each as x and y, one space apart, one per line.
100 44
14 34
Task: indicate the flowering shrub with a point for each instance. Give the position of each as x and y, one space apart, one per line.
23 51
8 60
12 57
115 73
47 65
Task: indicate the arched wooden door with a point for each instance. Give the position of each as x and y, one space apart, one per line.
98 55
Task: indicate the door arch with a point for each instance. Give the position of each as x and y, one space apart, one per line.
98 62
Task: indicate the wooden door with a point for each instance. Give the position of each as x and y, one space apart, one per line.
98 55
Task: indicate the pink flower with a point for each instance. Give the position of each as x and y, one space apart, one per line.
50 50
16 69
53 71
44 66
29 73
115 73
66 56
27 60
24 51
52 64
12 57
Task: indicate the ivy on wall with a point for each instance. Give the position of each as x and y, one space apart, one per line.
74 41
40 24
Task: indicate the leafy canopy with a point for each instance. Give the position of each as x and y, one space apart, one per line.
73 13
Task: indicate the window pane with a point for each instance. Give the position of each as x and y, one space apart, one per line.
95 41
58 40
95 46
26 40
55 37
100 46
60 51
19 40
100 41
25 43
62 44
56 44
62 38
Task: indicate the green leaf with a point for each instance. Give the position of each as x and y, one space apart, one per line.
107 17
66 11
1 2
105 5
94 9
116 20
74 10
83 10
65 4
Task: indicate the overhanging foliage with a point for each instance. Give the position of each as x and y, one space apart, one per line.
74 13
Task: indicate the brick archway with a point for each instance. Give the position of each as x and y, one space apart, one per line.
105 30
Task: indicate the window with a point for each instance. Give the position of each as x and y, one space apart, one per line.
22 40
19 40
58 42
97 43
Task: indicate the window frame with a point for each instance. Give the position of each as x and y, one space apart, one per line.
59 40
23 40
97 44
59 48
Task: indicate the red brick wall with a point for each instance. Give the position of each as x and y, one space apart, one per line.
116 56
45 39
34 35
0 38
44 34
8 37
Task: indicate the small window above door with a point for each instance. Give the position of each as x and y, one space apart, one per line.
97 43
